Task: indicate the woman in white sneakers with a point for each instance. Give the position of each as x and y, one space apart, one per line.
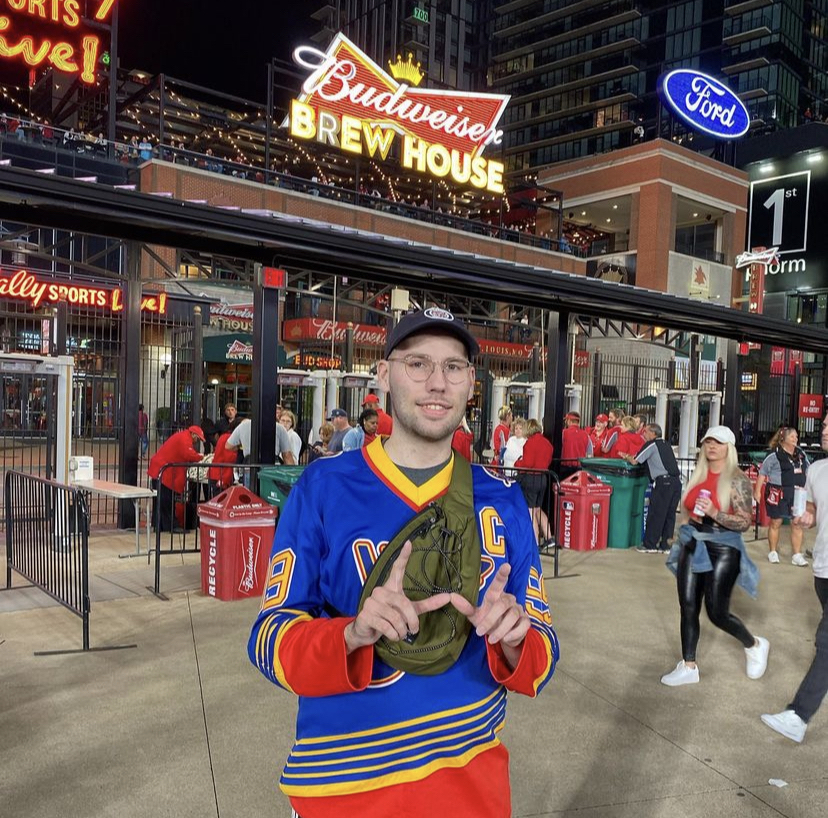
781 473
710 557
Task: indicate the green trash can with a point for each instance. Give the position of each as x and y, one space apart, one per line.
629 485
275 483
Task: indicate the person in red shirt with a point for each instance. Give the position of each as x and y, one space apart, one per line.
629 441
461 441
575 444
598 433
385 423
501 434
537 455
221 478
179 448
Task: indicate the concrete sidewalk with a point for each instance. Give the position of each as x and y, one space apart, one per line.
182 725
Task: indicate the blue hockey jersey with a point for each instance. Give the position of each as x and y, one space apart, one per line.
393 727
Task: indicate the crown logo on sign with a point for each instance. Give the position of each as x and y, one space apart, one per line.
407 71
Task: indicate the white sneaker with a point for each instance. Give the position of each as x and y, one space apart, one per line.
798 559
757 658
682 675
787 723
773 557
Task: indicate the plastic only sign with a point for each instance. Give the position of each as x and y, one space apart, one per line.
704 103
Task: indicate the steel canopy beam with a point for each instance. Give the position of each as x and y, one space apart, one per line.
50 201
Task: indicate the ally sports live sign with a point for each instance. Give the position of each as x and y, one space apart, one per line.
704 103
350 103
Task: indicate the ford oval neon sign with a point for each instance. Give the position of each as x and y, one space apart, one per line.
705 104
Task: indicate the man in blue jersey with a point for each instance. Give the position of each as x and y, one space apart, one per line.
379 731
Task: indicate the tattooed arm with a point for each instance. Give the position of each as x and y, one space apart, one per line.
741 505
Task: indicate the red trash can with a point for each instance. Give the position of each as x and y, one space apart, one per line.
236 530
583 512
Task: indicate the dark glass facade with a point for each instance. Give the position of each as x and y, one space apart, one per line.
584 75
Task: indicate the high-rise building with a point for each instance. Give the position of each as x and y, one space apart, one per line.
583 75
447 37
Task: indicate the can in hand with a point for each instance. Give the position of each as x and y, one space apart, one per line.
704 494
799 499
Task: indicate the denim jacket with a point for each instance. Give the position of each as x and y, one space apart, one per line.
748 577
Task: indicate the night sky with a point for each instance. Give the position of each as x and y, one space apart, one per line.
222 45
225 46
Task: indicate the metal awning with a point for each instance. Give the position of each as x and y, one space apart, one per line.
282 239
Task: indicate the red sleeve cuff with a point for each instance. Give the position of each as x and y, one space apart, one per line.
316 662
531 666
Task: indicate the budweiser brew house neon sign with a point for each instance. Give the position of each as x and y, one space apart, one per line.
350 103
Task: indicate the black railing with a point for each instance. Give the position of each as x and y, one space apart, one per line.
47 541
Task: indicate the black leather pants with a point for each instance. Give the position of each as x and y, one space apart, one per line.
714 587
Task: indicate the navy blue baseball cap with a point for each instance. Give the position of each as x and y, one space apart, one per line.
337 413
433 319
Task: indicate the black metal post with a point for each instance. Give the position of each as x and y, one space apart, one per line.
793 404
731 413
269 118
694 361
349 347
112 125
597 377
266 331
198 365
557 371
61 327
130 381
534 364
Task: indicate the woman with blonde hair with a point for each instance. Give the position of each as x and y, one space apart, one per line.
710 556
514 446
537 455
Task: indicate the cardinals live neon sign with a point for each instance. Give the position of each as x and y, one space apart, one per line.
52 33
350 103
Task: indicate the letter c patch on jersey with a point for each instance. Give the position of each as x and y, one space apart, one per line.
493 531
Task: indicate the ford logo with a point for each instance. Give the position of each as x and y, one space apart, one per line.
705 104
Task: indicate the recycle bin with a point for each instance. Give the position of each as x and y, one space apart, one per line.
629 484
583 512
275 483
236 530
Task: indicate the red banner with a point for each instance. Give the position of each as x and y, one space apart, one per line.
581 359
811 406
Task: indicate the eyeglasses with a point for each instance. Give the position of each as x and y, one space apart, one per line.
420 368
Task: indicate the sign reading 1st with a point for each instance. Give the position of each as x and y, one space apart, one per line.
779 212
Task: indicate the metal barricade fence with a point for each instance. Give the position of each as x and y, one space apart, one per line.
182 537
47 541
549 507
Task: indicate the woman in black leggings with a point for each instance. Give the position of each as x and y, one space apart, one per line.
711 557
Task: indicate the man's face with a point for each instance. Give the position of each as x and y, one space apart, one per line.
600 425
370 425
824 437
648 434
340 423
430 409
230 413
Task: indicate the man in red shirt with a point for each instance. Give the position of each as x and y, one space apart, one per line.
385 423
575 444
180 448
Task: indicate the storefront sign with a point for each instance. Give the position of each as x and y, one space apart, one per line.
811 406
350 103
704 103
53 34
22 285
309 360
320 329
232 317
239 351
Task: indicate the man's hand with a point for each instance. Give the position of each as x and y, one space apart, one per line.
499 617
388 611
804 520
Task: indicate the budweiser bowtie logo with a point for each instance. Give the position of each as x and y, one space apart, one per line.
251 543
345 81
238 350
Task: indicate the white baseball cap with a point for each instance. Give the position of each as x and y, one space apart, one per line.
723 434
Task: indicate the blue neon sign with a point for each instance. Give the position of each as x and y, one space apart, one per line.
704 103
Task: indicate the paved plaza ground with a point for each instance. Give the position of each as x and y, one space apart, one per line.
182 725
